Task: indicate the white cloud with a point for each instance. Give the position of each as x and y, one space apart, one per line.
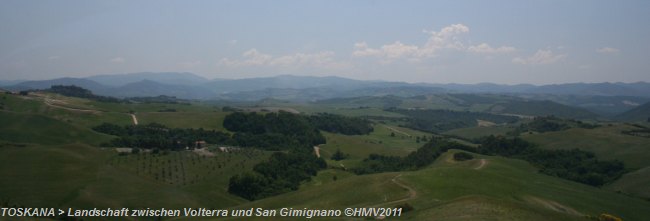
117 60
487 49
540 57
608 50
447 38
252 57
361 50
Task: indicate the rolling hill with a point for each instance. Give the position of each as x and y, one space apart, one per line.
486 188
541 108
640 113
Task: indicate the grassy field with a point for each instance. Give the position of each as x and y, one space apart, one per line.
36 128
636 183
379 141
205 120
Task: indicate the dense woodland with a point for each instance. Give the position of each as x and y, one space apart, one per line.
444 120
341 124
274 131
282 173
576 165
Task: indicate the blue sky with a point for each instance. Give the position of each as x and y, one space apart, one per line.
510 42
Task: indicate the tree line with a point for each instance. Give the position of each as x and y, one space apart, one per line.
443 120
75 91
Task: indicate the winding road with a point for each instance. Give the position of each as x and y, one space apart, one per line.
411 195
482 164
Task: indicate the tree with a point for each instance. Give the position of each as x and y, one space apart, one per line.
392 134
338 155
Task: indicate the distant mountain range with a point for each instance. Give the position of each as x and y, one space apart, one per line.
602 98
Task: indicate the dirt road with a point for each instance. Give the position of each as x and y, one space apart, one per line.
317 151
482 164
411 195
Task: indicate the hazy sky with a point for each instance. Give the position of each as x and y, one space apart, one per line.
416 41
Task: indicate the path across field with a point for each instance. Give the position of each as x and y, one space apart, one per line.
398 131
135 120
411 195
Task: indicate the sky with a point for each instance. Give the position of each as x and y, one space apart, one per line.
506 42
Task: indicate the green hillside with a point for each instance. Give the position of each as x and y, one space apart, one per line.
486 188
640 113
35 128
607 142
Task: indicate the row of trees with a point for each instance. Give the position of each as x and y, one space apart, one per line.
158 136
422 157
